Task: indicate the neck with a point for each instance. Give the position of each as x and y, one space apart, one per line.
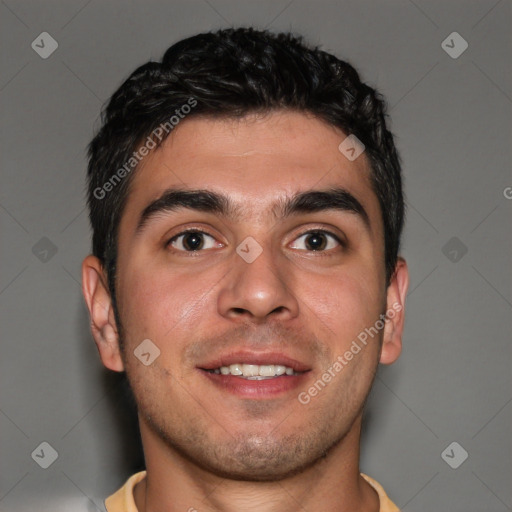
331 484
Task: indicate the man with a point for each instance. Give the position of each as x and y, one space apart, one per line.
246 204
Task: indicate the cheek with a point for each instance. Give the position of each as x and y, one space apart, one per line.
154 302
346 304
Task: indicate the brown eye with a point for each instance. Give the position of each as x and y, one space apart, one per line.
317 241
192 241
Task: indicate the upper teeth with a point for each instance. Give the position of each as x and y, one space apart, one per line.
255 370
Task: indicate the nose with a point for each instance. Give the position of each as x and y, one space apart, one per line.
258 290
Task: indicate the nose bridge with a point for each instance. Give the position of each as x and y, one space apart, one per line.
258 284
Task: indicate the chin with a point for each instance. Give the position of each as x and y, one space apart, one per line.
259 459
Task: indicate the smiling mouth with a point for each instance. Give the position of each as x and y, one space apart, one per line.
255 371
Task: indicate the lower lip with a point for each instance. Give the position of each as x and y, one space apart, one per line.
256 389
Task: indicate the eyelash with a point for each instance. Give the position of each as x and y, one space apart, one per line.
309 232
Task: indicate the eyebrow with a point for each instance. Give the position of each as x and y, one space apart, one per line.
174 199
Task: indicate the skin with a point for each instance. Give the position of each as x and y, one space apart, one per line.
207 448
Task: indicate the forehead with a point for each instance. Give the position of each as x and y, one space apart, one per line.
256 160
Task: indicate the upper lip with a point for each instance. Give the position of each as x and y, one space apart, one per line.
259 358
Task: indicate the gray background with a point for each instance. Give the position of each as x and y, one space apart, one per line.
453 125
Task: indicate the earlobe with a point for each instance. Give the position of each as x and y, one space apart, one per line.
99 303
396 294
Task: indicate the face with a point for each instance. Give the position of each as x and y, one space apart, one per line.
251 275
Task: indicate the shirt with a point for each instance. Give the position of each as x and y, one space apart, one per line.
123 501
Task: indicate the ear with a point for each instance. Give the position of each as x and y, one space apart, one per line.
395 312
99 303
